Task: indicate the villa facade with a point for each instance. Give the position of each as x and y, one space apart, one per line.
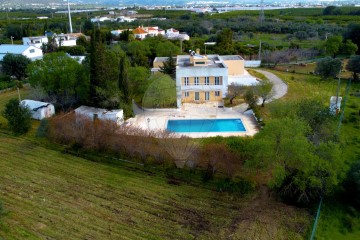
205 78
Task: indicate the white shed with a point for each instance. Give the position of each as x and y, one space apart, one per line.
335 104
92 113
39 110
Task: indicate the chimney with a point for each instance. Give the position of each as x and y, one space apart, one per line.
198 51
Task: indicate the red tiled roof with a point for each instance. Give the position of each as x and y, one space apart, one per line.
139 31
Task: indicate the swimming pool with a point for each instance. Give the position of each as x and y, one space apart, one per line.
206 125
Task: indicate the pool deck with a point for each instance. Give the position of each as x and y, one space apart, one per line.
156 119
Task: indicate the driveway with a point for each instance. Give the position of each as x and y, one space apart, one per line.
280 88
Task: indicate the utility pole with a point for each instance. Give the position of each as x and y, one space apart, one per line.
70 24
259 51
262 15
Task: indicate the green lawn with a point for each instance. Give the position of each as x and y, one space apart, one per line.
48 194
277 40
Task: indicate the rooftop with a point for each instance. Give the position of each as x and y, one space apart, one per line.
139 31
15 49
34 105
161 59
213 61
231 57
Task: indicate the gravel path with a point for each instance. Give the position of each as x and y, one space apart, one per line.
280 88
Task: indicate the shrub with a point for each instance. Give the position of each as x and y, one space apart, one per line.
240 186
352 185
43 129
18 117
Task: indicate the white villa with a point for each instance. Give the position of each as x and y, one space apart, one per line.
205 78
31 52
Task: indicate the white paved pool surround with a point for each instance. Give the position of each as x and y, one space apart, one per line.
156 119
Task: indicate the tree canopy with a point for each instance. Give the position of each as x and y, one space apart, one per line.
169 67
354 66
63 79
328 67
15 65
18 117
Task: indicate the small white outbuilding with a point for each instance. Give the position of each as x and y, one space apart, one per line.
39 110
116 115
335 104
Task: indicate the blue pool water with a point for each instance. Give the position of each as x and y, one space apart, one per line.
206 125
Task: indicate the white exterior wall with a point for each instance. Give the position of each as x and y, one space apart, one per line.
37 42
39 110
200 72
66 43
141 35
33 53
252 63
116 116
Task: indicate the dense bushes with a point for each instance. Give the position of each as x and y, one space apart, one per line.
147 147
352 185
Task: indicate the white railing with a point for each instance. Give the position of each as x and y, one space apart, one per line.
252 63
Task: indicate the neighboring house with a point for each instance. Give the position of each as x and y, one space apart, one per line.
35 41
117 32
143 32
39 110
92 113
79 59
140 33
99 19
161 32
172 33
124 19
30 52
152 31
205 78
65 40
60 39
181 36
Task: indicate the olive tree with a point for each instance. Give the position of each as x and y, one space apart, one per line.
328 67
354 66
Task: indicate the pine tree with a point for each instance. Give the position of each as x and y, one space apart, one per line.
169 67
123 81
